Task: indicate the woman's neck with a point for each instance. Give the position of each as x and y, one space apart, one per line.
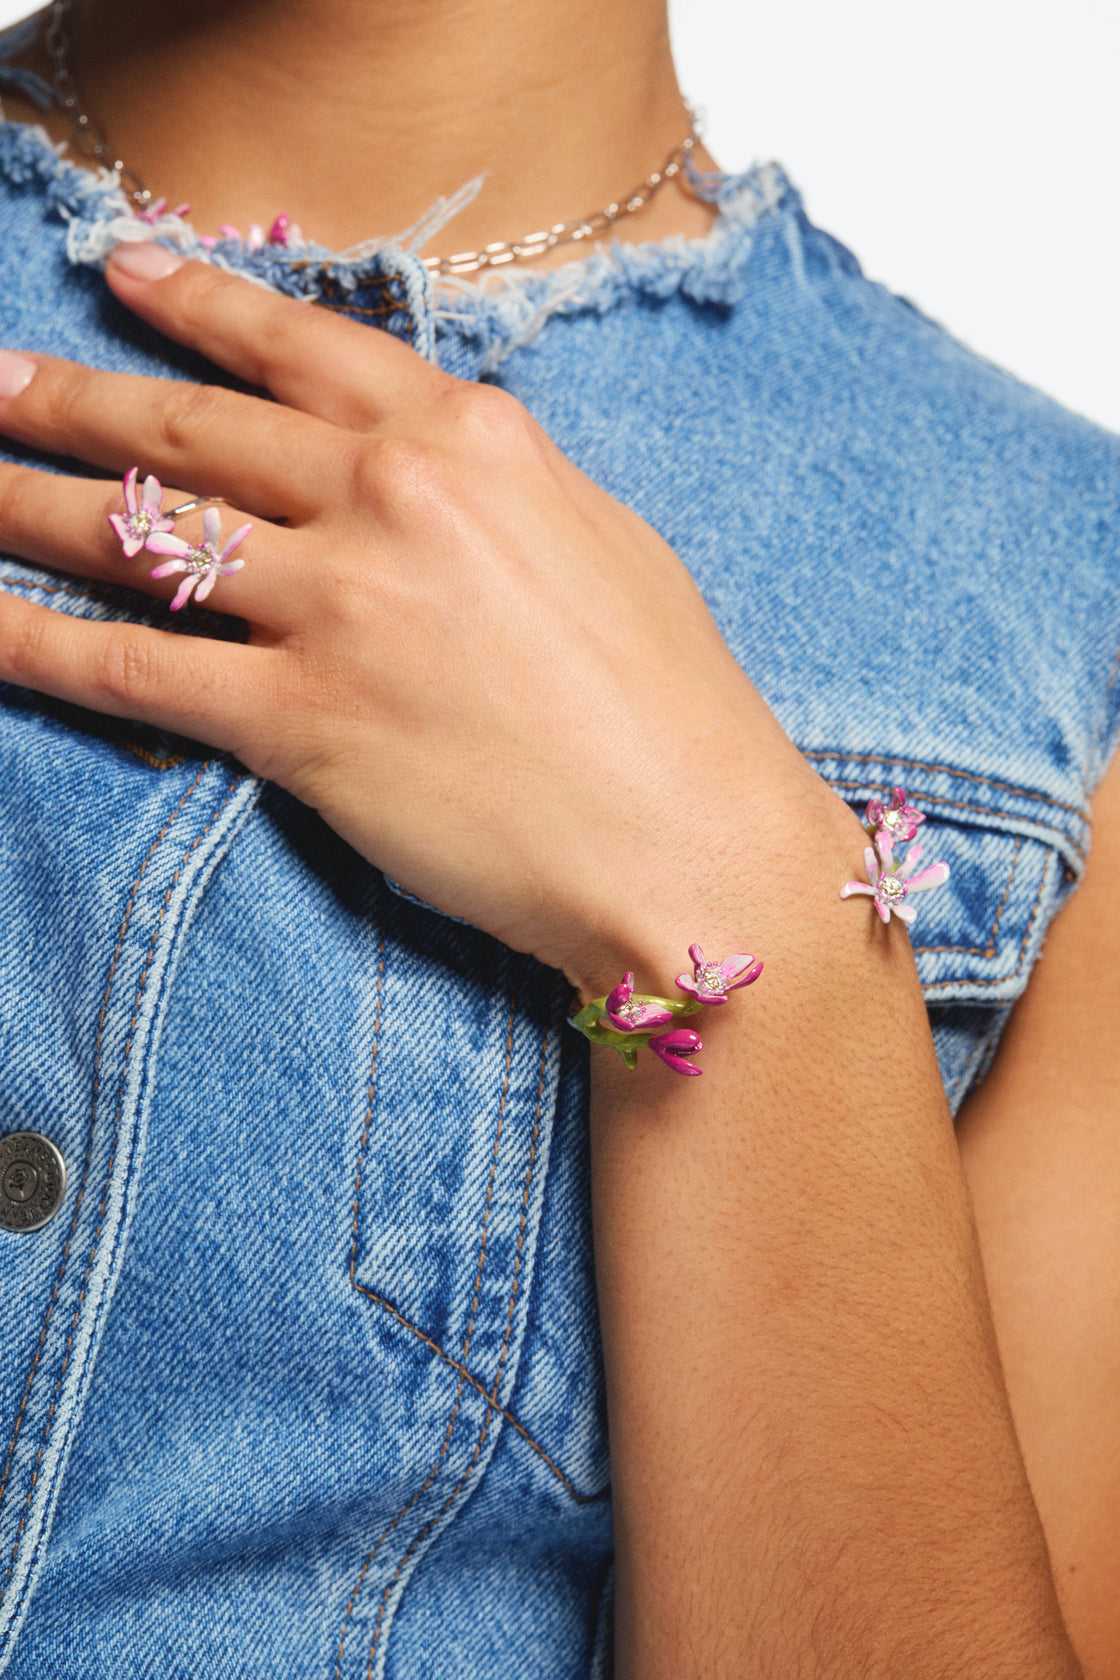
354 116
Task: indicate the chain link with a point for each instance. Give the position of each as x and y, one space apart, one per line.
88 136
90 139
567 233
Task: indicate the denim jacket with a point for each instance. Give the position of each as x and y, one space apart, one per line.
303 1378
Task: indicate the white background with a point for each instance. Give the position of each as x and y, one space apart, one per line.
968 151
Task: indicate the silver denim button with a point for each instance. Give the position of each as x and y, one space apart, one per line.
32 1180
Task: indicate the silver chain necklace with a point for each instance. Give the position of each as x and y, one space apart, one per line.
90 140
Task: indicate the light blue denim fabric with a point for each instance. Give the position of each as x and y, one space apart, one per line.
304 1379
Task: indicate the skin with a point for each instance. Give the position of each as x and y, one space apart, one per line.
561 107
816 1459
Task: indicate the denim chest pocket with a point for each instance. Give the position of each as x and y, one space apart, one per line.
1014 854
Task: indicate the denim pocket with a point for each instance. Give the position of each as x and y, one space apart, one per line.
1014 855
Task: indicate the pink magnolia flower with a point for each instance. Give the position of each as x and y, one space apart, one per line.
203 562
710 982
672 1046
630 1014
891 883
144 515
899 820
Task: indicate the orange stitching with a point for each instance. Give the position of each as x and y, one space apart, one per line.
454 1494
1002 979
1113 674
947 770
978 950
112 1158
150 758
56 588
96 1089
474 1304
468 1376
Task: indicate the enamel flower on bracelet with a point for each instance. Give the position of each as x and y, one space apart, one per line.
890 880
630 1021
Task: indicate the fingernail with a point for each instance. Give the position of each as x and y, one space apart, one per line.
145 262
16 373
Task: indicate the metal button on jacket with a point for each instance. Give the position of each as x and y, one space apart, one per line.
32 1180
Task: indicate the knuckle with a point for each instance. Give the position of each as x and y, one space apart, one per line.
187 413
64 400
125 673
198 288
14 512
491 421
395 472
24 649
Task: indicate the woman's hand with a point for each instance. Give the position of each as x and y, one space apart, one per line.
497 683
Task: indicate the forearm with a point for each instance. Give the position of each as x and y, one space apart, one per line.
814 1466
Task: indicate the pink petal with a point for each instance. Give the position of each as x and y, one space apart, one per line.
131 545
278 232
898 799
871 864
130 501
228 231
168 569
162 542
671 1047
184 593
905 913
645 1016
212 527
207 241
238 536
747 979
687 983
883 909
731 966
153 495
228 566
913 858
875 812
696 952
886 847
849 889
209 579
935 876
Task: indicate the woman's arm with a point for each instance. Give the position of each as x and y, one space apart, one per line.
814 1467
503 688
1041 1149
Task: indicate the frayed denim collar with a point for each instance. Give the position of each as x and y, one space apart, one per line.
496 316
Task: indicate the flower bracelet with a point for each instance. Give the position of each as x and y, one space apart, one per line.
630 1021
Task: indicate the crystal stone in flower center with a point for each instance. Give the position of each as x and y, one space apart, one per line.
709 979
890 887
200 559
892 820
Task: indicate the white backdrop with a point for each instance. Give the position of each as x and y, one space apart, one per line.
967 150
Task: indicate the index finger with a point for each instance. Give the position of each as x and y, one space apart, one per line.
308 358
